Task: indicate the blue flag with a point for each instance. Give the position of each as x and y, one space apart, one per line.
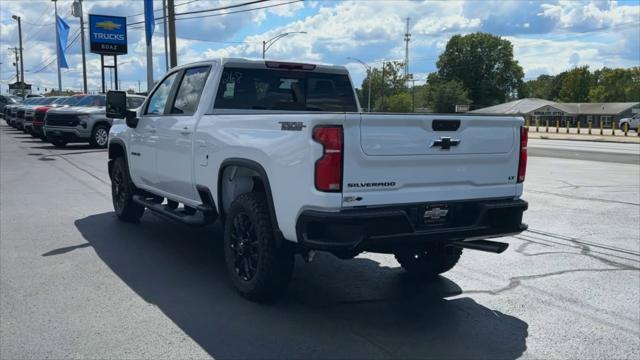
149 21
63 33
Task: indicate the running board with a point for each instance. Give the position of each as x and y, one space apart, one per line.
204 215
482 245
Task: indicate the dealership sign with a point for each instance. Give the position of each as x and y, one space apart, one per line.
108 34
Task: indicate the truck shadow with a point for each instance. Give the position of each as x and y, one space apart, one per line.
333 308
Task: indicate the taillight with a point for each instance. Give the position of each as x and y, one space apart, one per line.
328 176
522 166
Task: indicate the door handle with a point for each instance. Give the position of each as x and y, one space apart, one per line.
185 131
152 129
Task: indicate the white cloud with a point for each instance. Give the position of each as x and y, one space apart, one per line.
548 37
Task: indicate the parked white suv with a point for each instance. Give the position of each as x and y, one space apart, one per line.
282 155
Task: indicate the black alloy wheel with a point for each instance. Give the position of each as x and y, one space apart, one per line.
244 246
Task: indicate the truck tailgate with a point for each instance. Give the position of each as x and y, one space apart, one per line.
407 158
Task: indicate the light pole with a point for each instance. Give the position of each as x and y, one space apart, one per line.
368 68
17 18
77 12
267 44
55 7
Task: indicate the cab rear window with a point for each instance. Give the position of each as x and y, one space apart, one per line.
267 89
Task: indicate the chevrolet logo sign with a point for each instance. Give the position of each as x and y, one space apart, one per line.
108 25
435 213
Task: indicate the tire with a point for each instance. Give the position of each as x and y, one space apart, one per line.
122 191
99 136
59 142
431 262
259 269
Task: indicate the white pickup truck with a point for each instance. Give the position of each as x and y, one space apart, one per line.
282 154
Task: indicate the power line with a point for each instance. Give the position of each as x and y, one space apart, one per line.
214 9
221 8
53 56
212 15
77 36
176 5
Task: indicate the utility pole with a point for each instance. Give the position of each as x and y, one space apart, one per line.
164 24
77 12
413 95
139 90
173 56
55 22
21 62
383 85
15 52
407 38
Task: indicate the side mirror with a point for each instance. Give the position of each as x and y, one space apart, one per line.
131 119
117 104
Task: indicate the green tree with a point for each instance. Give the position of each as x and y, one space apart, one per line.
616 85
393 84
400 102
443 96
484 64
576 85
542 88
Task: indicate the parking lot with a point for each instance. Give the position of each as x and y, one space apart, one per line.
77 283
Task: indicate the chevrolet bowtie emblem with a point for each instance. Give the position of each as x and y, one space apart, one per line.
435 213
445 143
108 25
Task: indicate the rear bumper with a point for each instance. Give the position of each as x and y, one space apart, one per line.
389 229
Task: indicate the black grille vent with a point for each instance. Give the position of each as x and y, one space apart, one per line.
39 116
20 114
54 119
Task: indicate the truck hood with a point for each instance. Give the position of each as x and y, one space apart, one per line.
79 110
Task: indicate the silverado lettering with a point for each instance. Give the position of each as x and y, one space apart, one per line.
368 185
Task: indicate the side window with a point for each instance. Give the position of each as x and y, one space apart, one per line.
159 98
186 101
134 102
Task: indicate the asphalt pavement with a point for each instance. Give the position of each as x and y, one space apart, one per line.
77 283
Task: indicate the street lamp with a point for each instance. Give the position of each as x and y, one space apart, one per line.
267 44
368 68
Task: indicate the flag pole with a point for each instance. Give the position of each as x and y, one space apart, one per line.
149 25
55 5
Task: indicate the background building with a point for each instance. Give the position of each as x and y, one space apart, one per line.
533 109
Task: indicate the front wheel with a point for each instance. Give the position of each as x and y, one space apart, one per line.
122 191
257 266
99 136
430 262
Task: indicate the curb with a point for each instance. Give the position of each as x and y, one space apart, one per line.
603 140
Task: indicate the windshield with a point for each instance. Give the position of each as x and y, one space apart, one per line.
73 100
47 100
60 100
264 89
92 100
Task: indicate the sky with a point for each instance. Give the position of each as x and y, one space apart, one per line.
548 36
